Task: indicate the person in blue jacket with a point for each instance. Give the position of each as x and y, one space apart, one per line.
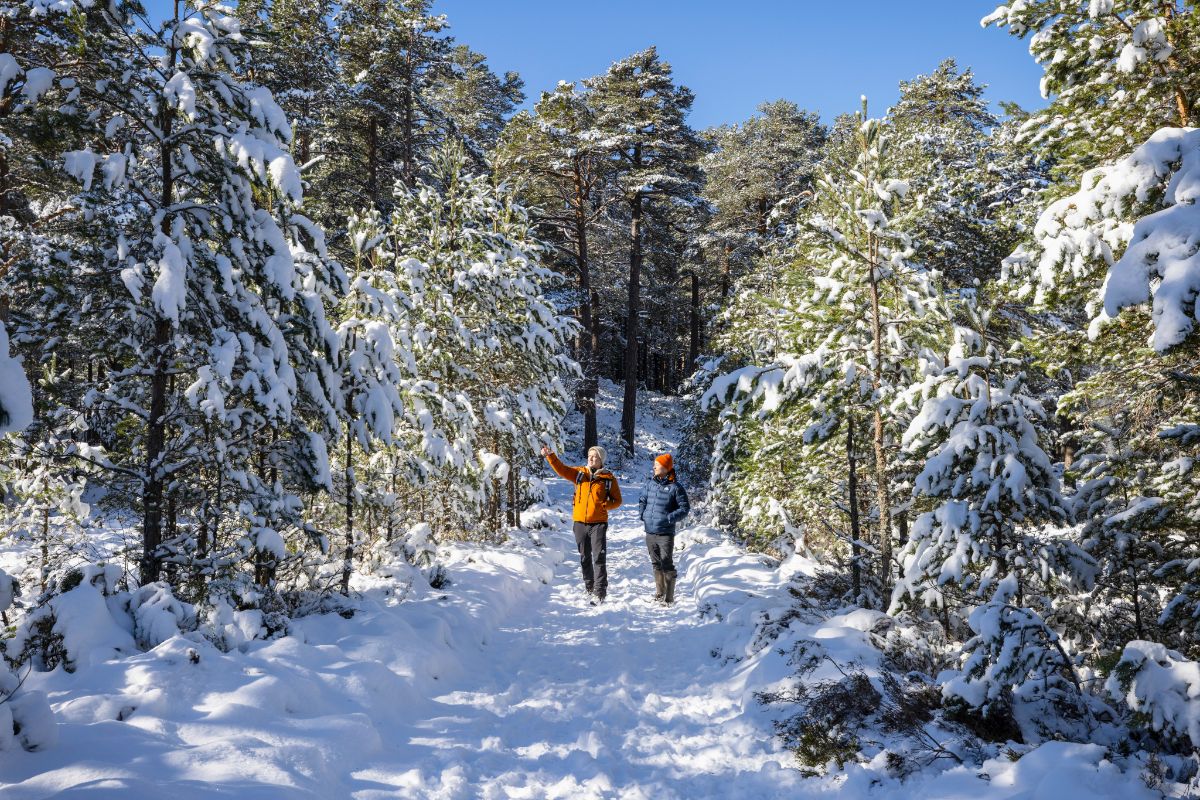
664 504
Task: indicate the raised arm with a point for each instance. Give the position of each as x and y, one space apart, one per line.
564 472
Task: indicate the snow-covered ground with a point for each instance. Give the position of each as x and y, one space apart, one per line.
505 683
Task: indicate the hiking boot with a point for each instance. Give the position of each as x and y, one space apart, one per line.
669 593
660 586
598 599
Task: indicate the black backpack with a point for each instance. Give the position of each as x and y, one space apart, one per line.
602 475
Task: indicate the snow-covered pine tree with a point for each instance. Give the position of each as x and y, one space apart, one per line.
28 711
1124 241
1126 522
754 166
562 172
1115 71
990 538
476 103
391 52
43 488
220 381
945 146
808 409
38 92
377 370
641 119
857 237
25 716
825 378
409 88
482 331
980 436
1014 656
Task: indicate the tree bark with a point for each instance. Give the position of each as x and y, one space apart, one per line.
348 555
726 274
156 424
882 487
514 513
590 339
855 527
629 404
694 343
408 145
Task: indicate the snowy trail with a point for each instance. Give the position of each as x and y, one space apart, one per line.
623 699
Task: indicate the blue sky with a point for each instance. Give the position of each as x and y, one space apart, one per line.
734 55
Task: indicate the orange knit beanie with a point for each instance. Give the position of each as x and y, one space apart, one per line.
666 461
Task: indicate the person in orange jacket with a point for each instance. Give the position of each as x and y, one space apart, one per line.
596 493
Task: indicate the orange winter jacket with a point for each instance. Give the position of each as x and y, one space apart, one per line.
595 495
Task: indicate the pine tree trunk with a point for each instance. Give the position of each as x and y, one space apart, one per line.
45 571
855 528
1181 99
726 274
629 404
4 186
590 338
391 513
156 425
348 556
514 514
373 160
882 487
694 342
1138 627
408 145
494 505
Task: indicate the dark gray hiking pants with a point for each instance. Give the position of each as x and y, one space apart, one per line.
591 539
662 550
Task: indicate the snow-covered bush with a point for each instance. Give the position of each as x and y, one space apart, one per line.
26 719
1016 659
229 628
16 402
979 439
25 716
1162 688
76 627
158 615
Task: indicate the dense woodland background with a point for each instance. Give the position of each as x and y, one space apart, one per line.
294 285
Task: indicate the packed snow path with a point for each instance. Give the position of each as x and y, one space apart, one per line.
622 699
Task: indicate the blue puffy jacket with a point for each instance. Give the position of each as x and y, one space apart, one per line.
664 503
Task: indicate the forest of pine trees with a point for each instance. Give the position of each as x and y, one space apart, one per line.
291 287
